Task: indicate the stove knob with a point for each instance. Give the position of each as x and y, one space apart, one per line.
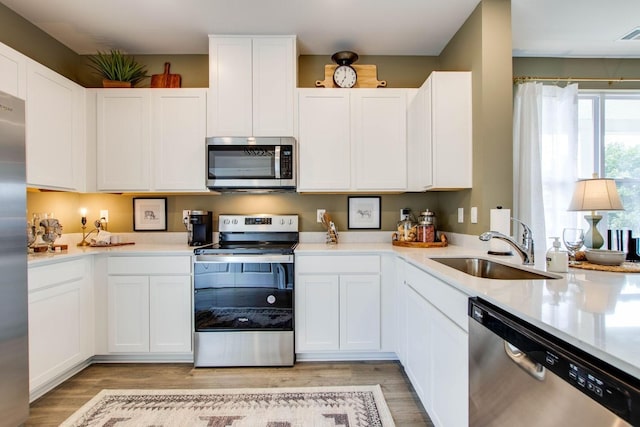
282 221
226 221
235 221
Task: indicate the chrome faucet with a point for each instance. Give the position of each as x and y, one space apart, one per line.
525 250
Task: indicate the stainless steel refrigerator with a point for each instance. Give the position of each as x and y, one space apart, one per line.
14 328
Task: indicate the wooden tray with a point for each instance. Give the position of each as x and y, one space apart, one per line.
111 245
367 77
38 249
626 267
441 244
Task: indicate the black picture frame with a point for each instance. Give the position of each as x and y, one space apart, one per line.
364 212
149 214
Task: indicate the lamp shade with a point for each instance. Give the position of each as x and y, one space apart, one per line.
596 194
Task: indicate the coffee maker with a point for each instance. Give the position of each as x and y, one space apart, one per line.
199 228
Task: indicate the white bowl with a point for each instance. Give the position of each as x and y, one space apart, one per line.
605 257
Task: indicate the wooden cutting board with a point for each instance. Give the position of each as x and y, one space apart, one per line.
367 76
166 79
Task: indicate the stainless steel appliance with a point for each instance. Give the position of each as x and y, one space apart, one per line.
14 341
522 376
251 164
243 293
199 228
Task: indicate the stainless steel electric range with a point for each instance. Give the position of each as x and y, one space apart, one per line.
243 293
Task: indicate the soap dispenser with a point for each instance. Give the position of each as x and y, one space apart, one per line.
557 260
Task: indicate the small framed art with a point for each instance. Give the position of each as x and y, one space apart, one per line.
364 212
149 214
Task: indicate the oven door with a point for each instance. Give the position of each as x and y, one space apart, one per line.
243 293
239 163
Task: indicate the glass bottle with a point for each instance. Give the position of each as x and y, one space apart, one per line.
426 227
407 230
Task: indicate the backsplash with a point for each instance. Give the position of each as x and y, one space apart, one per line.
66 208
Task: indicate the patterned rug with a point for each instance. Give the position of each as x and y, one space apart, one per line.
353 406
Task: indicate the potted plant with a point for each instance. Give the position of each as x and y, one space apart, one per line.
117 69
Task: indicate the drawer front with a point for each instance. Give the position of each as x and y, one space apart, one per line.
450 301
56 274
338 264
149 265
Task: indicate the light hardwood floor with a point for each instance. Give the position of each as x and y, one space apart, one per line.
57 405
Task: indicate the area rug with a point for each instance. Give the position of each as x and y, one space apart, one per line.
352 406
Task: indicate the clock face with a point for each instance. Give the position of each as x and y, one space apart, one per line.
344 76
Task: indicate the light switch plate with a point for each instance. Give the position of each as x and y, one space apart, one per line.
319 214
460 215
474 215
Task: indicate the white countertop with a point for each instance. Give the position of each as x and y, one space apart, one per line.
598 312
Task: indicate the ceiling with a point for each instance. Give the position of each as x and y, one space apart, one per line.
567 28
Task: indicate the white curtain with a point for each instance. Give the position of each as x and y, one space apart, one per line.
545 142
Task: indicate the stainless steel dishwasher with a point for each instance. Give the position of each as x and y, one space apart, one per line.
522 376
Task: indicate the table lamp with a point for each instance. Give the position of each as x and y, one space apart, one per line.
595 194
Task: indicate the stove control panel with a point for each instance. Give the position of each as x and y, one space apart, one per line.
258 222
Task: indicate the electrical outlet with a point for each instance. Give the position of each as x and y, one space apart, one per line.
474 215
319 214
460 215
404 212
104 213
185 213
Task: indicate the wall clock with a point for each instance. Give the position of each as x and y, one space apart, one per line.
345 75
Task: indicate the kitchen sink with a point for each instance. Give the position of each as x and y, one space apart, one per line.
488 269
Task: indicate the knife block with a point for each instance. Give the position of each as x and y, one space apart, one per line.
632 248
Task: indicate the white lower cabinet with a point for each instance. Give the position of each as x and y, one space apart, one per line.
338 303
60 320
149 304
434 334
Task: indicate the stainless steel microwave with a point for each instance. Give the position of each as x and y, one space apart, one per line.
251 164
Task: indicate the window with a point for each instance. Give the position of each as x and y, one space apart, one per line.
609 144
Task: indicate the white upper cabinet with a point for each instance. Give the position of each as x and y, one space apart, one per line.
379 130
352 140
324 140
151 139
440 133
54 130
177 135
123 140
252 81
13 67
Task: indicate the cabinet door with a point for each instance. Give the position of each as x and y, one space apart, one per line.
317 313
274 81
178 133
13 66
60 319
449 372
379 139
170 314
417 358
128 313
54 149
324 140
360 312
451 129
230 80
123 121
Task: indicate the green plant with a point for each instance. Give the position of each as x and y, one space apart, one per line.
115 65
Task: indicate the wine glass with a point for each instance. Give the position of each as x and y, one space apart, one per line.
573 239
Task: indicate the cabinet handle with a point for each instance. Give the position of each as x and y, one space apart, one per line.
524 362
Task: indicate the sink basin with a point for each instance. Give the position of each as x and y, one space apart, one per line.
488 269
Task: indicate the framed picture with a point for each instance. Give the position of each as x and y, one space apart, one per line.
149 214
364 212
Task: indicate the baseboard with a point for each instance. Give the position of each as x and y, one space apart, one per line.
344 357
